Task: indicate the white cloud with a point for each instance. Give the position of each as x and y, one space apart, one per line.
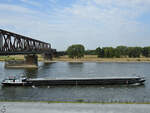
109 20
15 8
53 1
105 8
31 2
90 22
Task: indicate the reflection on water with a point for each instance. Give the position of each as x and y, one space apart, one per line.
30 73
86 93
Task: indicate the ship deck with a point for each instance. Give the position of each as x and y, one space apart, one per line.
89 78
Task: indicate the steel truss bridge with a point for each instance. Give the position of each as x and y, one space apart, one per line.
13 44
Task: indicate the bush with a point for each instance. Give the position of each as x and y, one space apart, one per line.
90 52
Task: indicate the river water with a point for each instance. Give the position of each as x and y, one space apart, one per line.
89 93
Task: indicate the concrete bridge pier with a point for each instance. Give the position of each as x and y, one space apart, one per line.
30 61
47 57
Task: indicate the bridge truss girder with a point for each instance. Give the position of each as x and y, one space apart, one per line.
13 44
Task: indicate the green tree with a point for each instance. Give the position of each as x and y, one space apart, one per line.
76 51
121 51
134 52
117 53
146 51
99 52
108 52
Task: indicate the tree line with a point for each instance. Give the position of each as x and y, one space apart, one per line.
120 51
78 51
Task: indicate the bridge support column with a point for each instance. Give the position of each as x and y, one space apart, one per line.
47 57
30 61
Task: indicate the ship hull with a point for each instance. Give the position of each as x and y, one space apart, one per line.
77 81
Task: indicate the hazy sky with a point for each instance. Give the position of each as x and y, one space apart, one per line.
92 23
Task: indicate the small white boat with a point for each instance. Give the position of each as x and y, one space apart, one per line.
14 81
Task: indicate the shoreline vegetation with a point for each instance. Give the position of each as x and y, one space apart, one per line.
77 53
86 58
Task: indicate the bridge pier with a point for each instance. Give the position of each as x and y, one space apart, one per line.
47 57
15 44
30 61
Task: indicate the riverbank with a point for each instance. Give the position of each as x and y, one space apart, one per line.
17 57
87 58
39 107
93 58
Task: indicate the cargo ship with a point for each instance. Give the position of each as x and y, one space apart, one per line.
23 81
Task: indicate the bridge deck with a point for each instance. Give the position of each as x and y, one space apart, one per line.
13 44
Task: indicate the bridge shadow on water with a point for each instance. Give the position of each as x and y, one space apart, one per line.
34 73
30 73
